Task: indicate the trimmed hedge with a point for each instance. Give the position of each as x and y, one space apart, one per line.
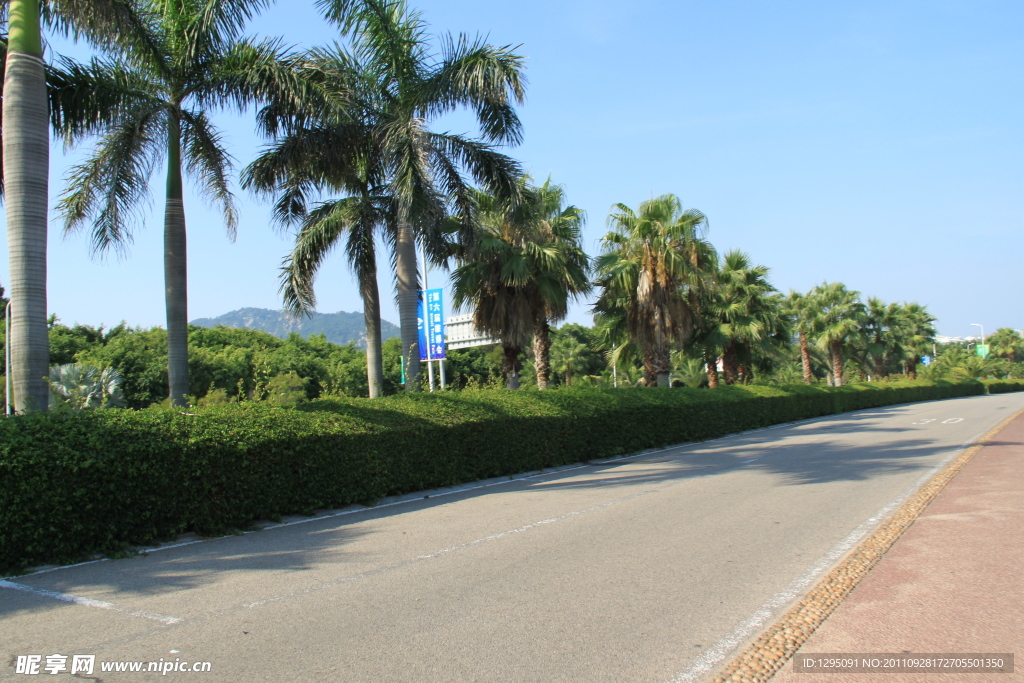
78 483
1003 386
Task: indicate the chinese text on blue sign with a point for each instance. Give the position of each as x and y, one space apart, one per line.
432 339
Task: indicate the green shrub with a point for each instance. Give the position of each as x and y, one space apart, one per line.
1003 386
79 483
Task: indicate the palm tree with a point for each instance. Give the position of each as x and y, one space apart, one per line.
739 315
562 268
412 84
567 357
1005 343
880 321
148 101
839 315
336 154
498 257
915 331
358 219
25 170
653 266
799 308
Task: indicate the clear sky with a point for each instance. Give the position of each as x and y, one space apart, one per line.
880 144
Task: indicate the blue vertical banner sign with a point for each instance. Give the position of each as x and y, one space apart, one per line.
432 334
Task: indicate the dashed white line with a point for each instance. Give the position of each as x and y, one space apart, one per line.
88 602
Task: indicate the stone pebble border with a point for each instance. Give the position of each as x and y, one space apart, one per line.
770 651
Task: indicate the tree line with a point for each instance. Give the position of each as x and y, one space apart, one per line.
351 162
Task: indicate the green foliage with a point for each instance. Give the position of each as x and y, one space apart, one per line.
76 386
287 390
78 483
1003 386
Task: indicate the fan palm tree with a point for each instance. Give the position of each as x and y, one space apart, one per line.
148 102
25 170
838 317
800 309
512 271
654 263
880 321
1007 343
915 332
567 357
739 315
413 84
563 268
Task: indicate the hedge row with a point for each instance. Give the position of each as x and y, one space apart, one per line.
80 483
1002 386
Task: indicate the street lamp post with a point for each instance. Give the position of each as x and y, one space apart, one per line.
982 331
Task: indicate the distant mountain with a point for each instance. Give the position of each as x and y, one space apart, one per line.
340 327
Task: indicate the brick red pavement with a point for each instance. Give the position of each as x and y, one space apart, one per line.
954 582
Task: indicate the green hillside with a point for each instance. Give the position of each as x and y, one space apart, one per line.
339 328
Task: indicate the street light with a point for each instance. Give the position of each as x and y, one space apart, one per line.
982 331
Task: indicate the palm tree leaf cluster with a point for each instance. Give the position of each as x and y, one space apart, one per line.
520 261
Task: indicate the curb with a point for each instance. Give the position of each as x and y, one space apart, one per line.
770 651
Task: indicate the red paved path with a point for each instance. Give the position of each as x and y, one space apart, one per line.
954 582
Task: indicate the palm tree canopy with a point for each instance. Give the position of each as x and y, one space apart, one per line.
523 261
741 307
654 262
176 61
838 313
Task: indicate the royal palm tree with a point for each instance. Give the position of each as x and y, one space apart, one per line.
357 220
655 262
25 171
413 83
838 317
149 101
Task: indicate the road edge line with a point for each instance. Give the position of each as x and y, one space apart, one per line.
770 650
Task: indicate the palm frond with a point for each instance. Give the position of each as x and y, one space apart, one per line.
109 186
208 161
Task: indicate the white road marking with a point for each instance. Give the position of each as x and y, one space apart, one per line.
924 422
88 602
952 420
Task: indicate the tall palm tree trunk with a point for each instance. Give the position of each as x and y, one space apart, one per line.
510 366
408 295
712 364
912 367
837 362
26 150
371 316
176 270
805 359
542 352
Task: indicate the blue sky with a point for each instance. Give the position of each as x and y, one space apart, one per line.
879 144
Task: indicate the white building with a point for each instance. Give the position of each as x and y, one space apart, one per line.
460 333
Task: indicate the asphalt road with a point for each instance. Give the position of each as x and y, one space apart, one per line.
652 568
